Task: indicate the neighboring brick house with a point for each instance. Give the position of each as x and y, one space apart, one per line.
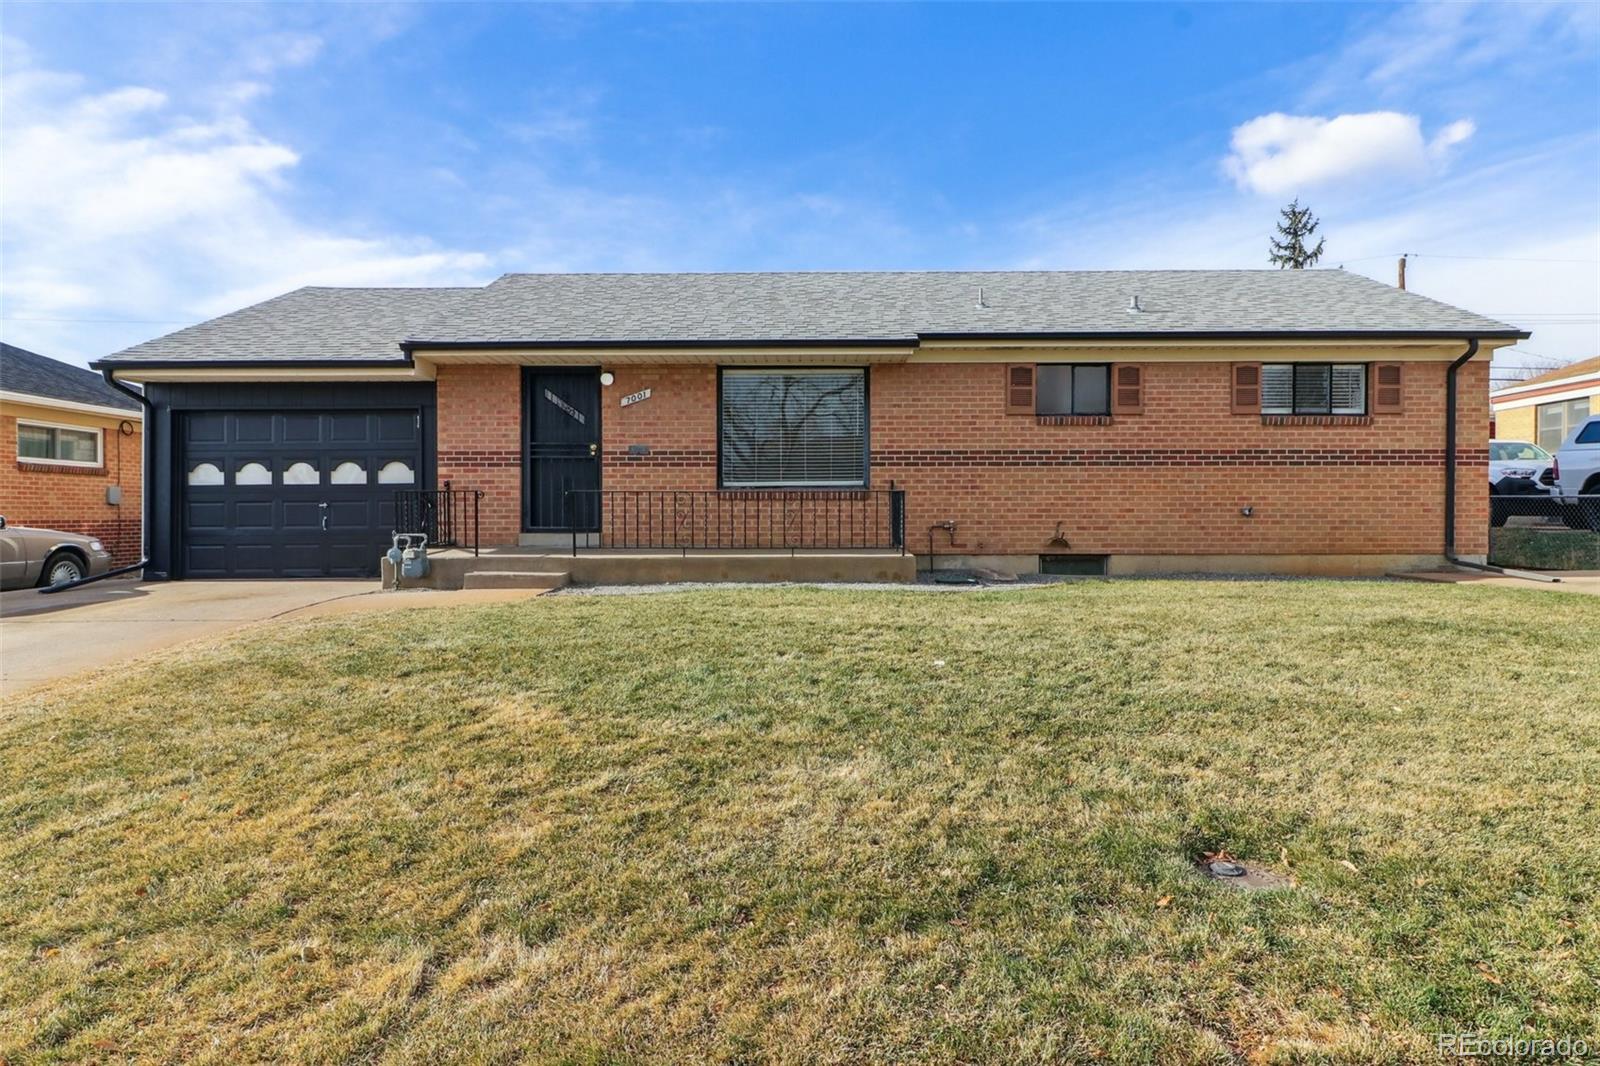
1135 421
70 452
1548 408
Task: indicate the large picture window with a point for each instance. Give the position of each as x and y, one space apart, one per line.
40 442
794 427
1314 389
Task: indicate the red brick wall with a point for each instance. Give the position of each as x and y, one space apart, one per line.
73 499
1173 479
678 423
479 441
1169 481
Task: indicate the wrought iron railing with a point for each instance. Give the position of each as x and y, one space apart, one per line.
448 516
789 520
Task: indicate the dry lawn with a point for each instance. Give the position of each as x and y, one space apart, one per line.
811 825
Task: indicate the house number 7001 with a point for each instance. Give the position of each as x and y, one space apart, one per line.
634 397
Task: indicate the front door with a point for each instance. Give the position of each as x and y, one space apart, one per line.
561 414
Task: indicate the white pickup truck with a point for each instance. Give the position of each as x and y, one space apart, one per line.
1577 476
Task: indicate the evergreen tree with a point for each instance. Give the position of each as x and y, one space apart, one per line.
1295 228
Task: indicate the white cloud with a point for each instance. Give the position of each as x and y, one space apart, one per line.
1452 135
120 206
1280 154
1437 44
1477 244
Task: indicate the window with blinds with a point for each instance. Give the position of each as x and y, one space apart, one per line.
793 427
1314 389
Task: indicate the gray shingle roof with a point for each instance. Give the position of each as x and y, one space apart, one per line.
309 324
884 307
38 375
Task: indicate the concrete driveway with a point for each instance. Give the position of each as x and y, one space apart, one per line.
43 638
46 637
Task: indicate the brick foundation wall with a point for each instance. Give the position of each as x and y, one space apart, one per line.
1169 481
73 499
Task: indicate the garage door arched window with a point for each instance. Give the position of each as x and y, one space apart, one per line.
396 473
348 472
252 474
301 474
205 474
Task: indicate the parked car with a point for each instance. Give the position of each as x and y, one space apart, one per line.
1515 462
30 557
1577 475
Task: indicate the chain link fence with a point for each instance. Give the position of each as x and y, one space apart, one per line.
1538 530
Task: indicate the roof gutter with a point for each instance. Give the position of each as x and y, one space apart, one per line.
1233 335
415 344
148 463
411 346
105 366
1450 476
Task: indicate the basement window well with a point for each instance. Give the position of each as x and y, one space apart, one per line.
1074 565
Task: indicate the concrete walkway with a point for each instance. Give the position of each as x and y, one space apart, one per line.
1582 582
43 638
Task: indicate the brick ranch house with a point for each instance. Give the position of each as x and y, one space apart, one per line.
1291 421
70 452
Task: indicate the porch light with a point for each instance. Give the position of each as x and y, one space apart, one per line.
607 377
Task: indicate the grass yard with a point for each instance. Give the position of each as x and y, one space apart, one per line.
811 825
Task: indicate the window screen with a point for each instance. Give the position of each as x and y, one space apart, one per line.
1074 389
1314 389
794 427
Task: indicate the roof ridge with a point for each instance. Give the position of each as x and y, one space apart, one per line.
907 273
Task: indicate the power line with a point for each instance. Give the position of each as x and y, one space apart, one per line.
1482 258
1499 258
117 321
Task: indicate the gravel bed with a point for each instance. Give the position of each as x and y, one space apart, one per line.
927 583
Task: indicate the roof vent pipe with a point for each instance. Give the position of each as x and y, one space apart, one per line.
1133 303
981 301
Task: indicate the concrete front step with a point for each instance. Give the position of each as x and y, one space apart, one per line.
502 569
513 579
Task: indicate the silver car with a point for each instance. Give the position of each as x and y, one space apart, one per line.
30 557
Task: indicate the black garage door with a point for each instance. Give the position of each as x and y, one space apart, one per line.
293 494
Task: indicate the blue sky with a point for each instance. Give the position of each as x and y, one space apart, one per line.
167 163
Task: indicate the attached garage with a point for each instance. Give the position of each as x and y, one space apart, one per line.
293 493
284 480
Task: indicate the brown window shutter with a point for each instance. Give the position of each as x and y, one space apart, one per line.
1019 388
1388 392
1246 388
1127 389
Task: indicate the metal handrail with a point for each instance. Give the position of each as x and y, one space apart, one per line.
789 520
445 515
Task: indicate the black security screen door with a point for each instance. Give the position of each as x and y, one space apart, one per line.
561 415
